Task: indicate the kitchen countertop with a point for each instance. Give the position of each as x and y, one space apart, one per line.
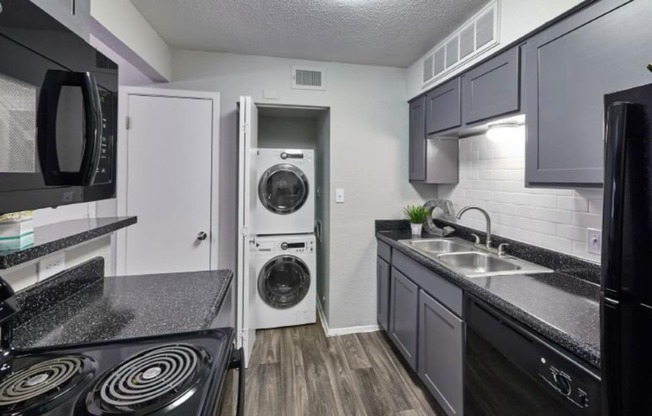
55 237
561 307
122 307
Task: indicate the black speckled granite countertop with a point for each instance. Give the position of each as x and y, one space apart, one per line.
56 237
561 307
119 307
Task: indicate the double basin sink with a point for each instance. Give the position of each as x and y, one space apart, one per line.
469 260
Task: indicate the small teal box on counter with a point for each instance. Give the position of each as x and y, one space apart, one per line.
16 231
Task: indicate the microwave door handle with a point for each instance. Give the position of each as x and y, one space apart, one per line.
47 137
93 135
614 193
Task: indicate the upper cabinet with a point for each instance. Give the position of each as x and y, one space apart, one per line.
569 67
443 109
492 89
75 14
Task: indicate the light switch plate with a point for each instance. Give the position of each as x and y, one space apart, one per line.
339 195
594 241
51 265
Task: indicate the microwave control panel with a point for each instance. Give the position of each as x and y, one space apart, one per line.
104 173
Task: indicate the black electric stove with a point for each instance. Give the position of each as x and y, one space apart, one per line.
170 375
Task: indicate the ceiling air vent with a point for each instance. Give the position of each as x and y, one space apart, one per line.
308 78
472 38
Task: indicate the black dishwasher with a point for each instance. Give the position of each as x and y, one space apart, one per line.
511 372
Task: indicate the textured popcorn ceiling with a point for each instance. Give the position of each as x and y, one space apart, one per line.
375 32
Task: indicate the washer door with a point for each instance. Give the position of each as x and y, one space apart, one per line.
284 282
283 189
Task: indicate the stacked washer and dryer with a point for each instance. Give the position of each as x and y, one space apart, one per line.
285 250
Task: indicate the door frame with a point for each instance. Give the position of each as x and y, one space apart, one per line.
123 171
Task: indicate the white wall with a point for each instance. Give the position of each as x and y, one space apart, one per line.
369 158
287 132
122 25
492 176
25 275
518 18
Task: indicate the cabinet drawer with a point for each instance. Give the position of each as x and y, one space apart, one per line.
443 109
492 89
439 288
384 251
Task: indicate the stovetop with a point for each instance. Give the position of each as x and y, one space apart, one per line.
163 375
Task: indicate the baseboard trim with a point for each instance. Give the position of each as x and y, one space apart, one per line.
334 332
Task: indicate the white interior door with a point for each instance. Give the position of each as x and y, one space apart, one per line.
248 143
169 184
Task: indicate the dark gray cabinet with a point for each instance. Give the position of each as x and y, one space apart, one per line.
418 140
492 89
74 14
404 310
383 285
443 107
569 67
441 349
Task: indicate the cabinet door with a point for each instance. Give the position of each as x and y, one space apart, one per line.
404 310
492 89
443 111
441 346
418 140
74 14
383 282
568 70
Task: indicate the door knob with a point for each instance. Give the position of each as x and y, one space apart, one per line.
202 236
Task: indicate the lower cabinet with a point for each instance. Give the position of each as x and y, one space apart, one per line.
441 349
404 310
383 283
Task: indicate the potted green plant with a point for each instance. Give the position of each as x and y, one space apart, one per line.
417 214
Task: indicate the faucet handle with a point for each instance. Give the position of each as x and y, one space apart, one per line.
501 249
476 237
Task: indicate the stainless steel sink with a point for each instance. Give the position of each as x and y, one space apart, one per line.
467 259
479 264
476 263
439 245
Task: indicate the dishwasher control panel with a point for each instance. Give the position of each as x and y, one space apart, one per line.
569 381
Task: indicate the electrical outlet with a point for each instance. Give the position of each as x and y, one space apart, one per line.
51 265
594 241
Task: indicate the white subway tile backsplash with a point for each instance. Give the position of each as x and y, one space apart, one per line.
587 220
492 176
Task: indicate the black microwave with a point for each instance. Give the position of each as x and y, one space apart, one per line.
58 113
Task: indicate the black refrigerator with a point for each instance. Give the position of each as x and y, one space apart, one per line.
626 298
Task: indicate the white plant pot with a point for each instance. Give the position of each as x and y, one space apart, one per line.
416 229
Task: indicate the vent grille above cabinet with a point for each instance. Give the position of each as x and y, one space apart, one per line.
308 78
471 39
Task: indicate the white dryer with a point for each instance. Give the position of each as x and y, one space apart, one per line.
286 282
286 201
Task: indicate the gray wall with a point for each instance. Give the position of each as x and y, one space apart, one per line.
287 132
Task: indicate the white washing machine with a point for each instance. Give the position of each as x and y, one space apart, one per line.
285 280
286 201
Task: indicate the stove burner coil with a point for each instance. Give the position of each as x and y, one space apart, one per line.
149 380
42 382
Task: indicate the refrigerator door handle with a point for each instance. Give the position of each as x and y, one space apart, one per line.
614 192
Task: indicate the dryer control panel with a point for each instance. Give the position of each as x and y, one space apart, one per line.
295 157
285 246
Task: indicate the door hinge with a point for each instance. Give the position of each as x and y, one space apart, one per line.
127 122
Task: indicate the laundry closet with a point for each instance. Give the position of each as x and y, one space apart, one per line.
284 214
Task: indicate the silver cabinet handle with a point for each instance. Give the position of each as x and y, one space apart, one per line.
202 236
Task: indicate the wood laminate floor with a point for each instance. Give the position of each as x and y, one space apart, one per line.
298 371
